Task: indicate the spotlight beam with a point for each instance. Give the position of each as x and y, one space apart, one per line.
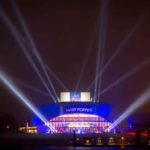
119 48
103 31
101 44
145 97
84 62
31 87
128 74
56 78
11 87
33 46
18 38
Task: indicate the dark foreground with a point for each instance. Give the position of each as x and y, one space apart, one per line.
68 142
84 148
75 148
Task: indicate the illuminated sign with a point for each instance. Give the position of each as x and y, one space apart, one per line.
79 110
75 97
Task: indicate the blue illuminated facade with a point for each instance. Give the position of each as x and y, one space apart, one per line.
53 110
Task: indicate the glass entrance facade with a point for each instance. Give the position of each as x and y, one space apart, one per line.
80 123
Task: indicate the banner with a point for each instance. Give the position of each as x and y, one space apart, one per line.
75 97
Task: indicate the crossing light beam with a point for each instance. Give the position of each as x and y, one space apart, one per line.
141 100
19 40
33 46
19 94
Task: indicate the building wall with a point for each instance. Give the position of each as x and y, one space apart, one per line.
52 110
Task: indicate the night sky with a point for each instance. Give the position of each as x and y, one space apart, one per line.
63 31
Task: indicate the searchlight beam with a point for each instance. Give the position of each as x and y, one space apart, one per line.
9 84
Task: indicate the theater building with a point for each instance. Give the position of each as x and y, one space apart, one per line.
75 111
